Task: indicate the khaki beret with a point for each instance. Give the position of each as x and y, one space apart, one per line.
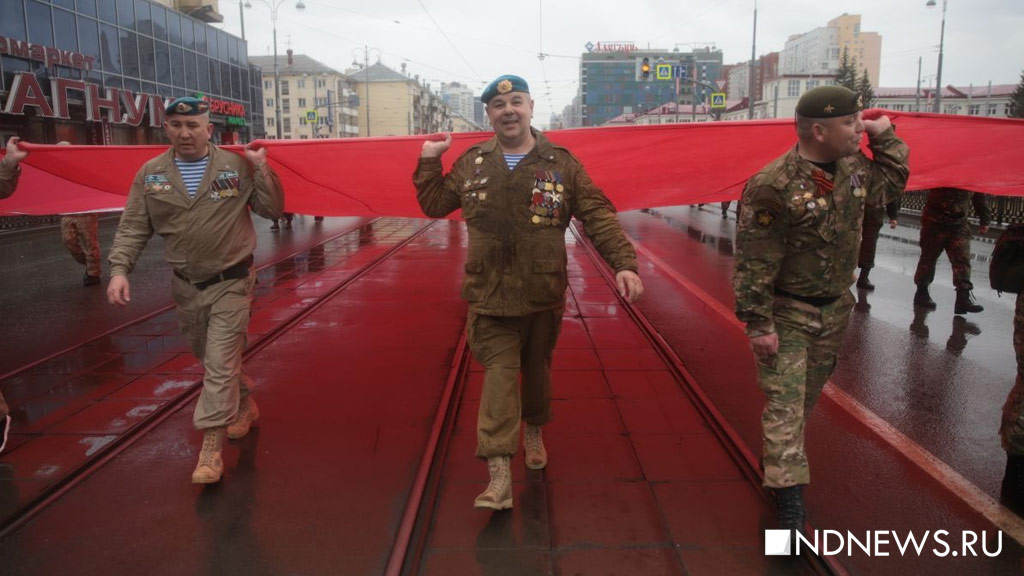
829 102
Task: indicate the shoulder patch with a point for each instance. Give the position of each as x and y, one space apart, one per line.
764 217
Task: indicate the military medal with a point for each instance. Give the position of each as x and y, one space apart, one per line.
821 202
858 187
535 219
811 205
215 195
479 160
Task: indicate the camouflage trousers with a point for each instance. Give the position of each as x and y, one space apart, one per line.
792 380
506 345
215 322
1012 428
80 233
955 239
873 220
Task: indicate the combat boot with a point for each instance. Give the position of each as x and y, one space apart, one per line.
88 280
790 504
965 303
211 465
533 448
923 299
498 495
248 413
862 281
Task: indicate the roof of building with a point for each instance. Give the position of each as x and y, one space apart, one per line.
301 64
379 73
947 91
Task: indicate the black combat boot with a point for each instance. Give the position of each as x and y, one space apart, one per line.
965 303
88 280
1012 493
862 281
790 502
923 299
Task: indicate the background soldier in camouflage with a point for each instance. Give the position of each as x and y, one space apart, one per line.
80 233
797 242
874 216
9 173
944 226
518 192
1012 429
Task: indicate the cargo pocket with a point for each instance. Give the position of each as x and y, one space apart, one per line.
474 285
547 281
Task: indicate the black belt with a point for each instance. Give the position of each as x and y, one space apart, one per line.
818 301
236 272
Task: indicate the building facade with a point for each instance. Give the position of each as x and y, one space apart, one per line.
316 100
393 104
613 79
820 50
459 98
100 72
990 100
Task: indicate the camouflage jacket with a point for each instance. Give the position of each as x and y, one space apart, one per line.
516 221
8 178
202 235
952 205
796 235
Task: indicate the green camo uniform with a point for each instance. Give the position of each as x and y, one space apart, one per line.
797 245
516 268
944 227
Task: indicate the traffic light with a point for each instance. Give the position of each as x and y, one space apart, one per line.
645 68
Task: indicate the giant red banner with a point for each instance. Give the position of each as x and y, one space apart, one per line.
637 166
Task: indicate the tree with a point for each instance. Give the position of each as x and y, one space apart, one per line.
1017 100
847 75
867 93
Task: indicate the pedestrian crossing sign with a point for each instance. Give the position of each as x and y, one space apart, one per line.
311 116
718 100
663 71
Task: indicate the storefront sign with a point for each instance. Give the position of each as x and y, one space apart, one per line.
626 47
113 105
47 54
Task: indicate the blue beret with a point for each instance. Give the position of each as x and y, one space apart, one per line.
504 85
187 106
829 102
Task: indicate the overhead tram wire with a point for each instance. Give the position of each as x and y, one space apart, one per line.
447 39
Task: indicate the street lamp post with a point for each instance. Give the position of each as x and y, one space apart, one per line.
938 74
274 5
753 57
366 74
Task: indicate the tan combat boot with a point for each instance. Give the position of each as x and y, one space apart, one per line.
210 466
248 413
533 447
498 495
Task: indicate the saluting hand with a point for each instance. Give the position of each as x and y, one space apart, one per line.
876 126
256 157
118 291
434 148
14 154
629 284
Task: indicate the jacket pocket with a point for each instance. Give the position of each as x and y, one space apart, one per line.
474 285
546 283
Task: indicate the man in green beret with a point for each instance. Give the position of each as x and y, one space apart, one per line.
199 198
797 243
518 192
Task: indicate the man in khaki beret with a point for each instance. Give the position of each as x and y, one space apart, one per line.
797 242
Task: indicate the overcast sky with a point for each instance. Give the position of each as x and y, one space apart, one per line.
473 42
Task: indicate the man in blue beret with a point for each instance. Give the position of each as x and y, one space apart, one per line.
518 192
797 243
199 198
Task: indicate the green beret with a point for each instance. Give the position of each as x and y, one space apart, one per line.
829 102
187 106
504 85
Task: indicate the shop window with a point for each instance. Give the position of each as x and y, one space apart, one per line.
203 70
215 85
174 28
87 7
188 37
159 22
162 60
126 13
129 53
143 18
191 78
222 45
107 11
89 44
211 40
12 20
110 49
40 30
177 67
147 58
